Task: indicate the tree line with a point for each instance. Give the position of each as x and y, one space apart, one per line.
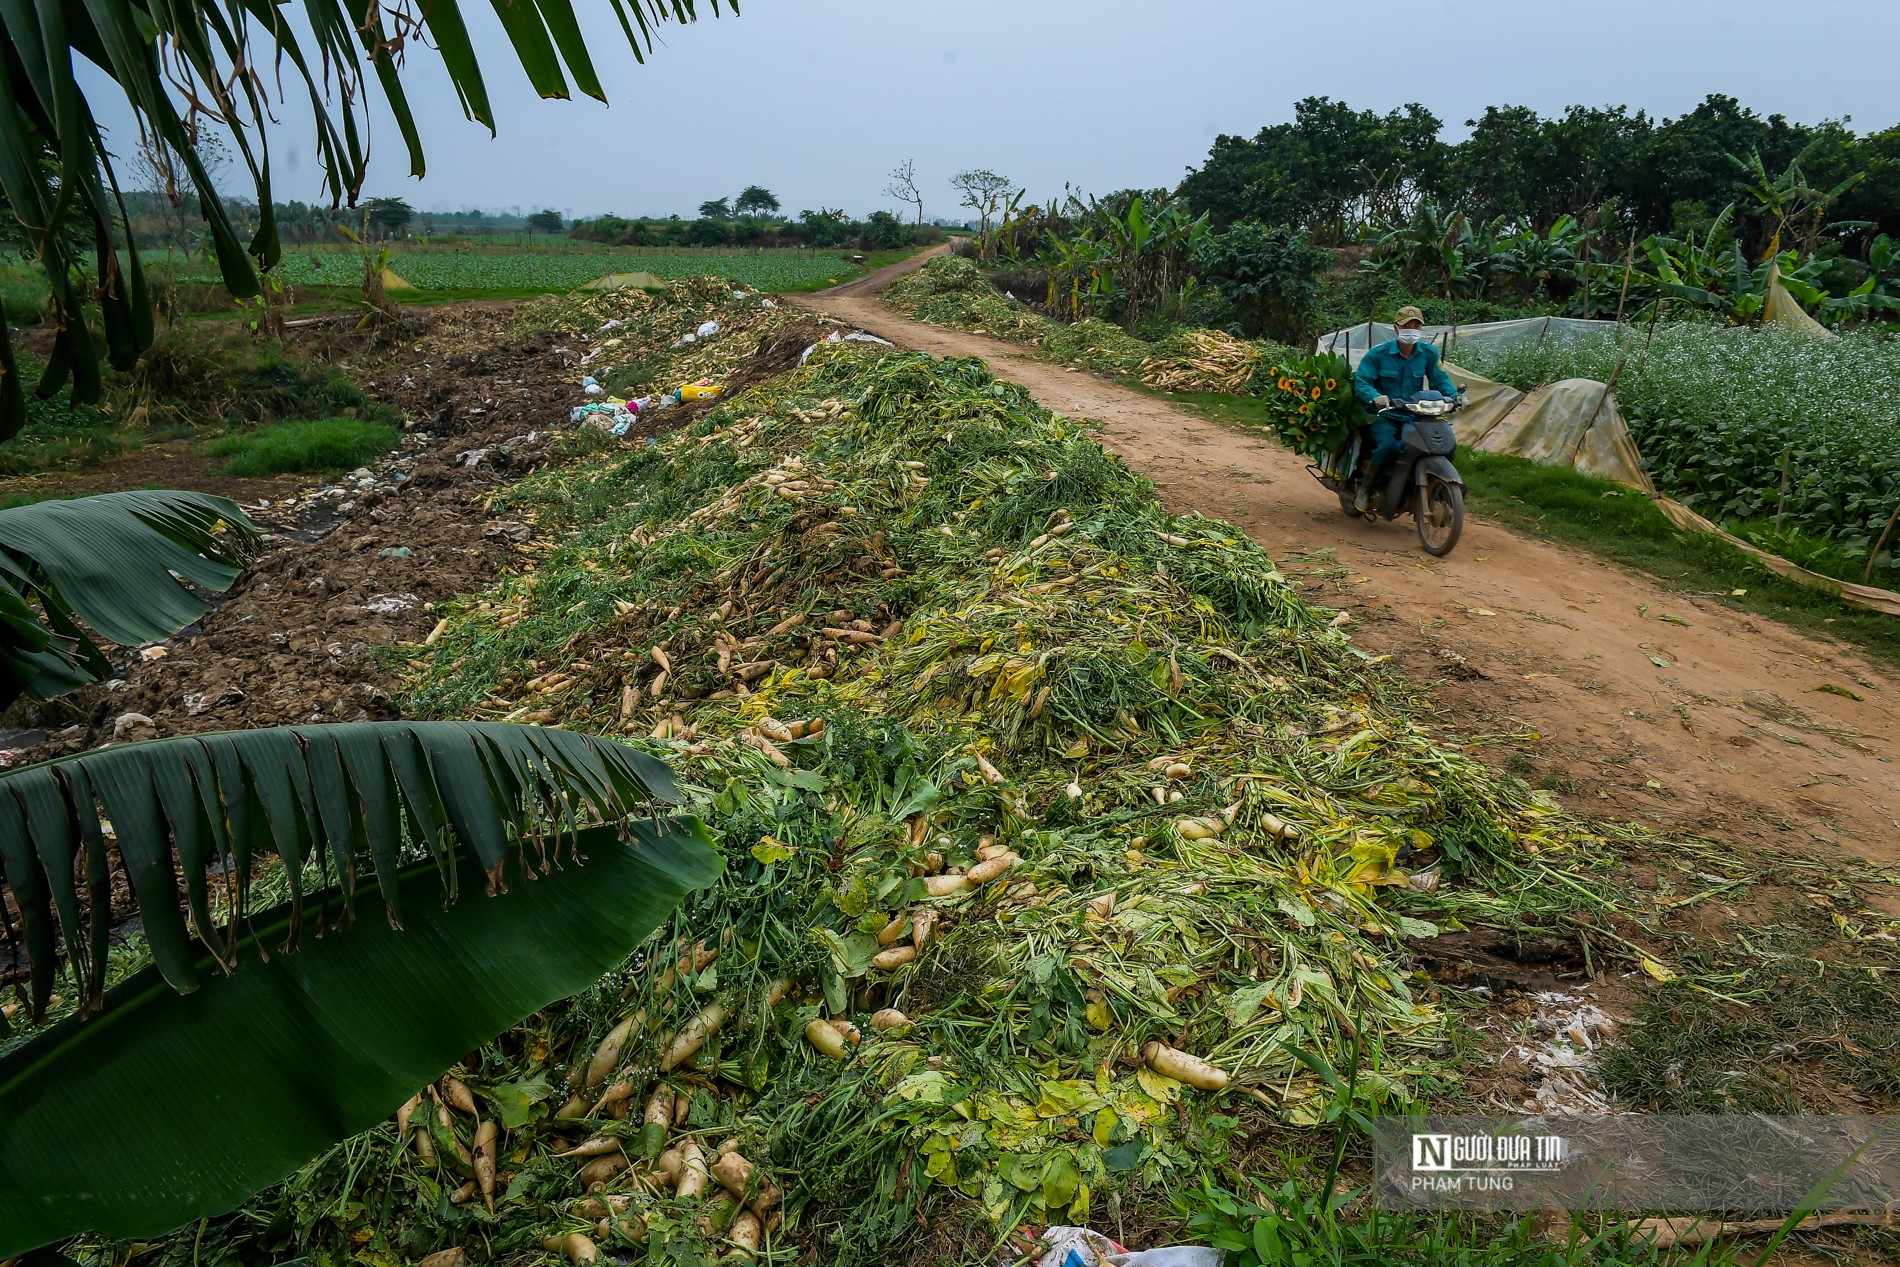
1334 170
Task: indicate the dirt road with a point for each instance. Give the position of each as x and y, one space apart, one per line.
1627 699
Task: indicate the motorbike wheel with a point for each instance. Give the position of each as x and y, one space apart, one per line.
1345 504
1440 516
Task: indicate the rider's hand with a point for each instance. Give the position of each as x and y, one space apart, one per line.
1382 402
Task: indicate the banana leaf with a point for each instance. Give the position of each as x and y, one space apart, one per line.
166 1108
190 815
109 566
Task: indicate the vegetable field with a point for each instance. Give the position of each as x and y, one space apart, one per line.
1714 410
564 270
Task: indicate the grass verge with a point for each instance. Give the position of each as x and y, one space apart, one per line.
1623 526
314 446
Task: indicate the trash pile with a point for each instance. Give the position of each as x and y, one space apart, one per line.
1063 840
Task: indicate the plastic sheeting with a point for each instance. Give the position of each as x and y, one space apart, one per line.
1487 403
1352 342
1781 309
626 281
1572 423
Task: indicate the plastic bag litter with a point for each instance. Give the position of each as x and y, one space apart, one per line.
1169 1256
859 336
768 303
1075 1247
612 323
589 386
708 330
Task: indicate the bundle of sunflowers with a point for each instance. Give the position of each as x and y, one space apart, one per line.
1310 404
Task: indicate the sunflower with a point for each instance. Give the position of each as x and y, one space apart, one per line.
1331 383
1304 408
1316 393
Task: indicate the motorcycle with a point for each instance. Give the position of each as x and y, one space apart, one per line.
1422 482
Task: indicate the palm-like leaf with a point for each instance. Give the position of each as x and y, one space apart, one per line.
220 55
188 816
170 1108
110 563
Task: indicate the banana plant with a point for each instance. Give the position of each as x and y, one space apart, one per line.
1787 202
439 881
179 61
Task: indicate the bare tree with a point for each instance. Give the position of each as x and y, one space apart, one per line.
161 173
982 191
903 187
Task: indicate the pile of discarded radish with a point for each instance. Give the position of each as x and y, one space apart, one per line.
1063 841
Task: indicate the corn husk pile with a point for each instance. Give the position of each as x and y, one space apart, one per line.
1206 361
1094 344
1057 828
951 291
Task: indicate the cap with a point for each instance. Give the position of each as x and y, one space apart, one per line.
1408 314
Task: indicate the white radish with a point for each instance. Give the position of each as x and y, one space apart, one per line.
922 925
987 870
894 958
601 1169
658 1116
945 885
577 1247
1183 1067
669 1166
827 1040
458 1096
607 1055
890 1021
693 1036
899 925
485 1138
693 1173
745 1235
598 1146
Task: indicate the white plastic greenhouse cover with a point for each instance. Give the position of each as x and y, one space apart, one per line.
1351 342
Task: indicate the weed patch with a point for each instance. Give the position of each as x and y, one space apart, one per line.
313 446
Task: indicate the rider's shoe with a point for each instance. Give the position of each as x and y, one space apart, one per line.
1362 500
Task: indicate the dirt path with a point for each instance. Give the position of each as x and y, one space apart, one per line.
1706 721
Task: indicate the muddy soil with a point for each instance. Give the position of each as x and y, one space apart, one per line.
1558 662
354 566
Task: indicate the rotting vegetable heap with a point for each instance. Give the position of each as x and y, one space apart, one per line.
1055 826
953 292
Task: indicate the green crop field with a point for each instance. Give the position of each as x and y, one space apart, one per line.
563 270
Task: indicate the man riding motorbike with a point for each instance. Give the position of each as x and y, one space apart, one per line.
1394 371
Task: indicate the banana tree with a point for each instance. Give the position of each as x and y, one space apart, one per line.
216 57
439 882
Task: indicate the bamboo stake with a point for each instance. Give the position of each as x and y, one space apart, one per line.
1629 264
1868 576
1782 504
1585 270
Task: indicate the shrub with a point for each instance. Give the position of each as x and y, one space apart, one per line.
1270 276
884 231
317 445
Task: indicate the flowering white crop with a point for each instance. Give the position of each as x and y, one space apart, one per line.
1713 410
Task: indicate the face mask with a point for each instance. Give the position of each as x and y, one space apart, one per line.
1408 337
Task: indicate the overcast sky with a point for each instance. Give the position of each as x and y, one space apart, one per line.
819 99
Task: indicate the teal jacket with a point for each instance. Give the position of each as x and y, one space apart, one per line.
1383 372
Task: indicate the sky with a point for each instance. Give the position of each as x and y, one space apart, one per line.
818 100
